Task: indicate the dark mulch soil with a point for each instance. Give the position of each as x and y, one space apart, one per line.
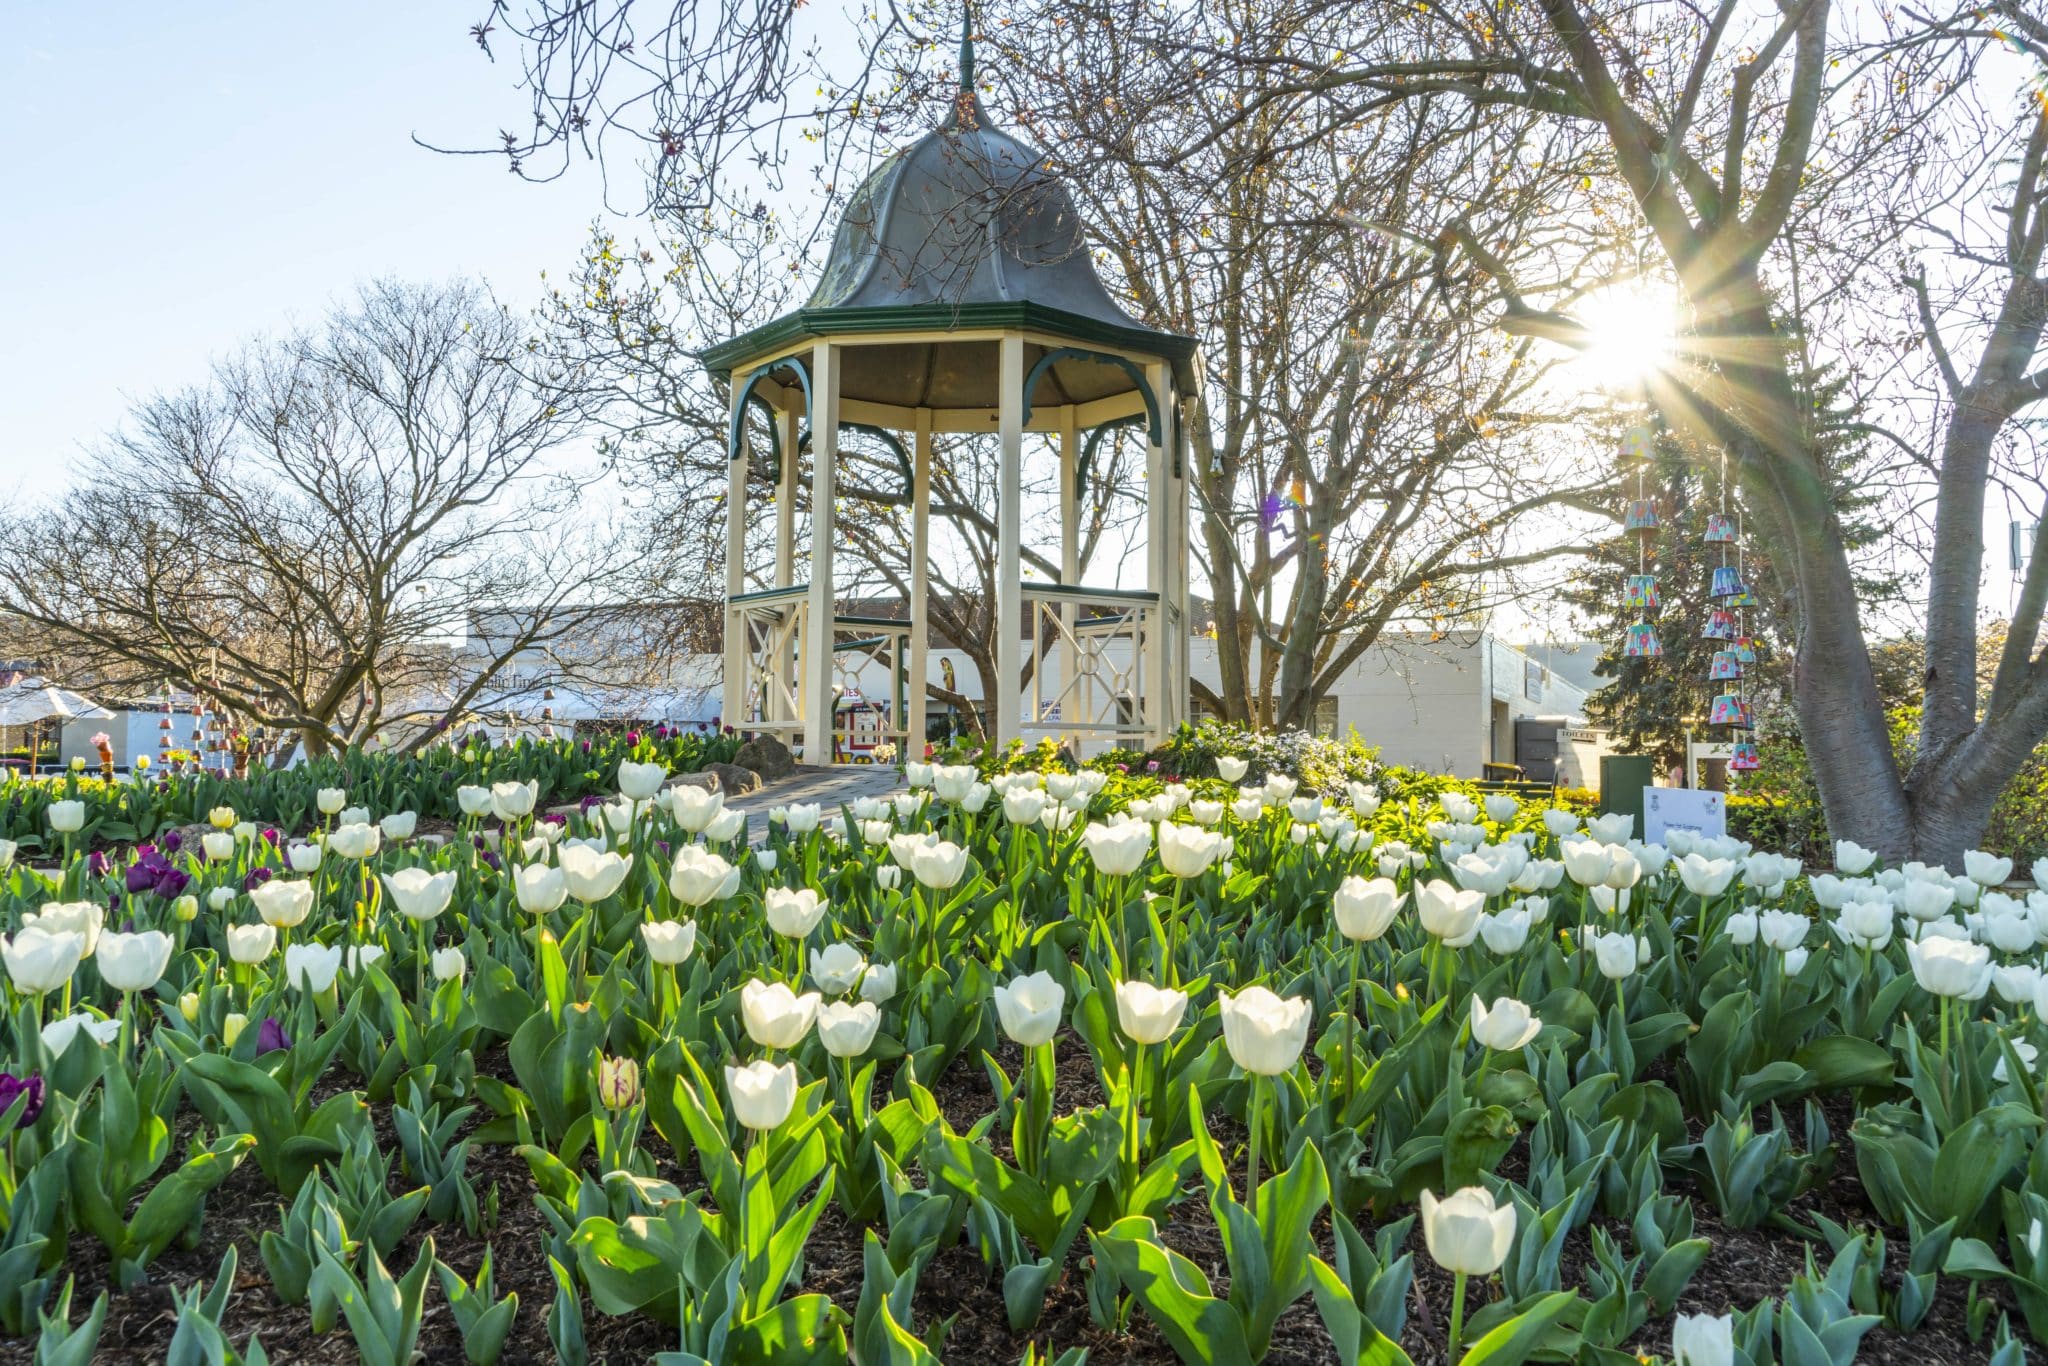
956 1289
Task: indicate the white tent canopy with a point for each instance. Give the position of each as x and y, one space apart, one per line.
31 701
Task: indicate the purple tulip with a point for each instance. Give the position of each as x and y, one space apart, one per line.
256 878
586 746
142 875
270 836
632 737
592 800
271 1036
170 883
97 864
113 901
492 861
12 1087
555 818
172 841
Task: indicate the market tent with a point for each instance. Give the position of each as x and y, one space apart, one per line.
32 701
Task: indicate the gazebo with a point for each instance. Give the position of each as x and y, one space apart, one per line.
959 297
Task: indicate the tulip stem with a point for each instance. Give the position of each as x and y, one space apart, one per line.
1251 1176
1457 1318
1351 1030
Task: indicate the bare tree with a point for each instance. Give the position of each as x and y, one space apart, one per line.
360 526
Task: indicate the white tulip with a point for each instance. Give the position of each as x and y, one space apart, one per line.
312 967
40 960
1703 1340
1613 828
473 801
847 1030
84 918
303 858
1852 858
283 903
1507 1027
361 956
1950 967
539 888
220 898
1505 931
1365 910
639 782
775 1016
670 941
67 817
1148 1014
1924 900
330 800
878 983
133 962
1782 930
513 801
251 943
762 1094
1188 850
2015 984
355 841
802 817
1230 767
1023 806
399 825
726 826
1448 913
1618 955
448 965
1028 1008
58 1034
793 913
418 894
837 969
354 815
590 875
1264 1033
1986 870
939 864
1459 807
699 877
1466 1232
1117 850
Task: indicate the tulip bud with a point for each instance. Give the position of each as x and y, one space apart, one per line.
186 908
231 1028
188 1006
618 1082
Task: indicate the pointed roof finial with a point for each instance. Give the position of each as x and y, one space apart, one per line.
966 48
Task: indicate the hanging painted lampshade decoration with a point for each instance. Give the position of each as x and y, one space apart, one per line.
1727 710
1642 642
1725 667
1720 529
1727 583
1724 624
1744 649
1743 598
1641 592
1642 517
1721 625
1743 757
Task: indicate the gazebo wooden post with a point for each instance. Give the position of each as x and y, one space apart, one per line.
920 583
778 709
733 699
1158 560
1070 553
817 647
1006 718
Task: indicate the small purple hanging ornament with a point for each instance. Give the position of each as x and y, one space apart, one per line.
1641 592
1642 642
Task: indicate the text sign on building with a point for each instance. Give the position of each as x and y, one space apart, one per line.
1683 808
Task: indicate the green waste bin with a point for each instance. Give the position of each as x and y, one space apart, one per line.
1622 780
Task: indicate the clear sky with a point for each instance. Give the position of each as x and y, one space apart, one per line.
181 177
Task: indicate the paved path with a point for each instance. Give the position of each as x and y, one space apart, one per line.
830 788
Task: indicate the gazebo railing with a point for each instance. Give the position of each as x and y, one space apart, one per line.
1095 687
770 626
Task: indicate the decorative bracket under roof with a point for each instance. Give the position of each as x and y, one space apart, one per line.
746 393
1154 427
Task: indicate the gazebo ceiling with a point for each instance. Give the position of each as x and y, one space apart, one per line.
965 231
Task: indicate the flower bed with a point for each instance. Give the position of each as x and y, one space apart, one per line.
988 1071
425 784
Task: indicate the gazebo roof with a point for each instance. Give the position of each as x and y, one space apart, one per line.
965 229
